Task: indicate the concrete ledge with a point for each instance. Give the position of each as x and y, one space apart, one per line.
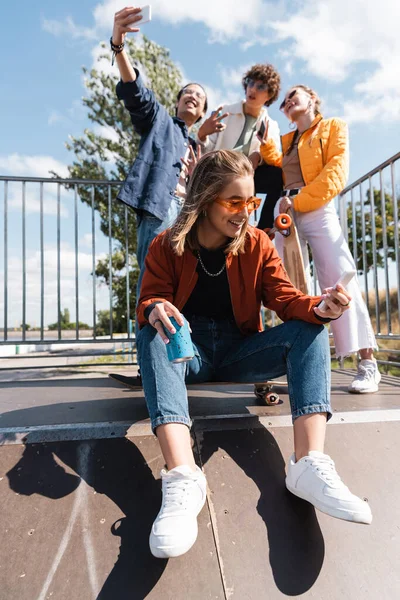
109 430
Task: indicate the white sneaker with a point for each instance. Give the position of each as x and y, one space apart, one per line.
314 478
175 529
367 379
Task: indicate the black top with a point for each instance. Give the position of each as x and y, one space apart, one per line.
211 296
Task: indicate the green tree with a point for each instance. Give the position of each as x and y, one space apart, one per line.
103 322
98 157
65 322
65 319
379 234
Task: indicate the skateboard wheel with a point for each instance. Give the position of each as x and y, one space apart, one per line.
271 399
265 396
283 221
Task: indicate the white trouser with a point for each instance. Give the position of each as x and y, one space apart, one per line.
331 255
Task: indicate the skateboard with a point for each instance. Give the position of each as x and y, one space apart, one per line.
292 256
263 390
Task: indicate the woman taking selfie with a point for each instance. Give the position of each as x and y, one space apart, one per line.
213 269
314 160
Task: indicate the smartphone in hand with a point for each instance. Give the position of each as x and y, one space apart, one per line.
146 14
343 280
261 131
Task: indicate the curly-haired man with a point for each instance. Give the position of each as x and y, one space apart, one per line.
235 127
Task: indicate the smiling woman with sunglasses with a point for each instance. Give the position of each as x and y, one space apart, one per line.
213 268
315 169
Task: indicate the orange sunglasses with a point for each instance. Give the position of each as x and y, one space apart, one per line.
236 206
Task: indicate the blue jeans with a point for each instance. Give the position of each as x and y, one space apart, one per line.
148 227
297 349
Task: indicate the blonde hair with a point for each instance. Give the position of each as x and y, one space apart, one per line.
317 110
213 172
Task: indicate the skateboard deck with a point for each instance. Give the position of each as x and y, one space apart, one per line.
263 390
292 255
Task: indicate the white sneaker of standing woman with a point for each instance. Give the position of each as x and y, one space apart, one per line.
367 379
183 496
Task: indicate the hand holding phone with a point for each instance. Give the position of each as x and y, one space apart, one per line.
145 13
262 133
343 280
127 21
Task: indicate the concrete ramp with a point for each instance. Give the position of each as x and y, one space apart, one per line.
76 515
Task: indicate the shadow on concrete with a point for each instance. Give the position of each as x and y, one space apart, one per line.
71 411
117 469
296 544
69 405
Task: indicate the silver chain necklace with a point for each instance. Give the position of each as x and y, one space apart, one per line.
208 272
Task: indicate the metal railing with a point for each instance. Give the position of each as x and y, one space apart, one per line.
369 213
99 197
368 209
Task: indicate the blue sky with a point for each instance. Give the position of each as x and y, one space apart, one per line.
348 52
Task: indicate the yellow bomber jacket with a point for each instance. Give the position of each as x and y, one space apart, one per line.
324 161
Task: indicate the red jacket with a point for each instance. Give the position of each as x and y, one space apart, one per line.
256 276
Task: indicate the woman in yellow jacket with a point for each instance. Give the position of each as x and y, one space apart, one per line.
314 160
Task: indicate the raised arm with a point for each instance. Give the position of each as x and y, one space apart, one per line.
124 22
139 100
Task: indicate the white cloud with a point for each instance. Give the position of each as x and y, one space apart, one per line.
103 65
232 76
31 166
55 117
332 40
223 18
67 281
76 112
86 240
218 96
68 27
32 202
106 132
67 259
334 37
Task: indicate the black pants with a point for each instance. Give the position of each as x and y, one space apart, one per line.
268 180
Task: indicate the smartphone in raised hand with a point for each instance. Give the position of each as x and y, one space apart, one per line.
145 12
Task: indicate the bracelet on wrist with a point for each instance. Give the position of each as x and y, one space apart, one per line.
116 49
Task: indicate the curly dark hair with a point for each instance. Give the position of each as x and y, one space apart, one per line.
267 74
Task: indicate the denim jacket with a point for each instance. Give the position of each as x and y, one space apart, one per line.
152 179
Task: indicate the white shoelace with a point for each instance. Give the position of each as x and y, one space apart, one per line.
365 373
326 467
176 494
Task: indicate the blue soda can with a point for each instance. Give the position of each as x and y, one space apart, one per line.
180 347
